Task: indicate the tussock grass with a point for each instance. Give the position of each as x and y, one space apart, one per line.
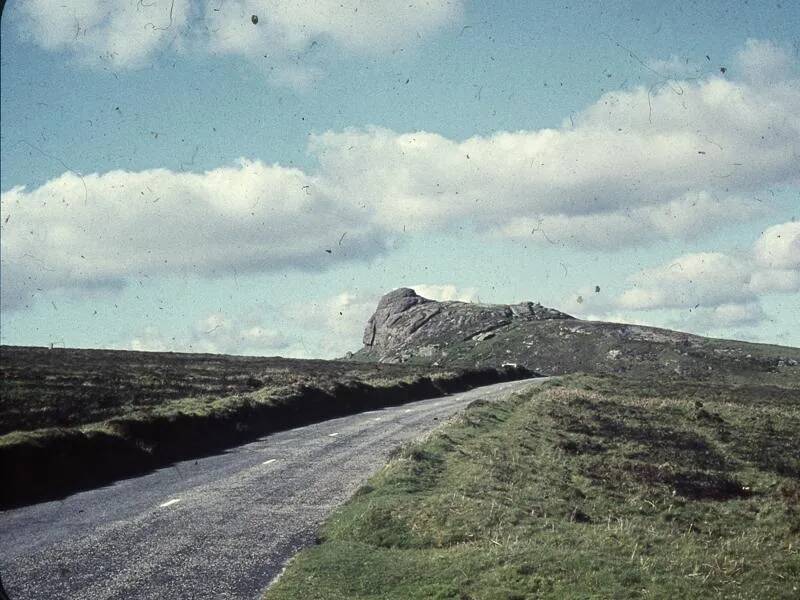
62 388
61 435
589 487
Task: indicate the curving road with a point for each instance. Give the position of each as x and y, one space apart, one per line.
217 527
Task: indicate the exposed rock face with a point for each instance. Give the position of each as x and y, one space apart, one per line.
409 328
406 324
388 313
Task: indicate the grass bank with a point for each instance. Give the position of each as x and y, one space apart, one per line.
145 431
42 388
596 487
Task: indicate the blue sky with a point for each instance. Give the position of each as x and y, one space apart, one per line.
174 175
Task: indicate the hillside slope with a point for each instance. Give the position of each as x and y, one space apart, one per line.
409 328
583 487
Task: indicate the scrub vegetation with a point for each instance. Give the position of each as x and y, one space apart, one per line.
41 388
71 419
585 487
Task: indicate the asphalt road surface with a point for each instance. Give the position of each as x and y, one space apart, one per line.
217 527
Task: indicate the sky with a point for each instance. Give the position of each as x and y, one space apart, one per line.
249 177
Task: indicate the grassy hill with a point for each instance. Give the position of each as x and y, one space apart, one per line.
409 329
671 471
587 487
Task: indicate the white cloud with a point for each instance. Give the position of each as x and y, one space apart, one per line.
712 289
445 292
776 260
342 318
152 340
128 225
763 62
96 32
292 40
290 27
291 37
588 302
217 334
220 334
325 328
685 218
775 280
335 323
296 77
709 278
636 167
779 246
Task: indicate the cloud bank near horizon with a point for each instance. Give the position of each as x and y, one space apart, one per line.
706 291
673 162
340 318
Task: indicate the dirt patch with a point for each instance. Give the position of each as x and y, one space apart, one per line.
581 447
604 424
690 484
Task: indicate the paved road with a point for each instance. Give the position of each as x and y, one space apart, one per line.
218 527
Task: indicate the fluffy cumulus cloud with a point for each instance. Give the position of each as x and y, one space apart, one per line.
217 334
709 290
293 37
763 62
100 231
333 325
708 278
684 218
779 247
356 25
96 32
445 292
664 162
772 265
669 162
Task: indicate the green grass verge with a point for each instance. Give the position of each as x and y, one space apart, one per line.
595 487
